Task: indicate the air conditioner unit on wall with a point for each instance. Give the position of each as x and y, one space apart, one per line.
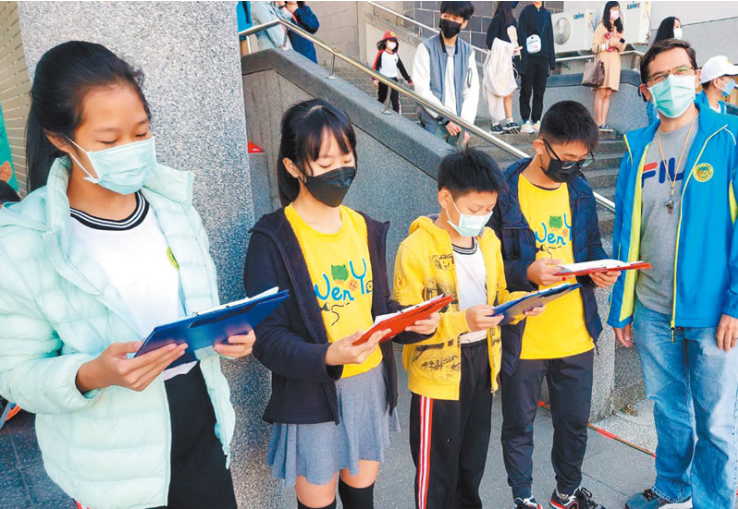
636 21
573 31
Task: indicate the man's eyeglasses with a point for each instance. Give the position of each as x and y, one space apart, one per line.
568 165
660 77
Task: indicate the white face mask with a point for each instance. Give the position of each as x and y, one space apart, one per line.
678 34
391 45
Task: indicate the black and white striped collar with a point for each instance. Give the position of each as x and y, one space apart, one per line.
135 219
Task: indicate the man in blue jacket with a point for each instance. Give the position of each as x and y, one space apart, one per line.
547 218
676 208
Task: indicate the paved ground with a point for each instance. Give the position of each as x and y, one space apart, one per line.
613 471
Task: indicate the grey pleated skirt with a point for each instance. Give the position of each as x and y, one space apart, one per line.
318 451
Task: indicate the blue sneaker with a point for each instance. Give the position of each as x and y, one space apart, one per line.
650 500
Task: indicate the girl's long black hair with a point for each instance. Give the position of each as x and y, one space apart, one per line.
305 126
666 29
606 17
506 9
64 76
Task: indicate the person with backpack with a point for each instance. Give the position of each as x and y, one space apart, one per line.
538 58
388 64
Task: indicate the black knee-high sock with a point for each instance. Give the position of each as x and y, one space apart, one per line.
356 498
300 505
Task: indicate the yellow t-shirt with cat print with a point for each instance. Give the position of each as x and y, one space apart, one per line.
560 331
341 273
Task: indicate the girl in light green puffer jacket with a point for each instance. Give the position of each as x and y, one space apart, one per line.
105 248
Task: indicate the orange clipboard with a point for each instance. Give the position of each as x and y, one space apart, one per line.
398 322
565 274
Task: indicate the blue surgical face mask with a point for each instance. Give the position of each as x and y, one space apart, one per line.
123 169
469 226
674 95
728 87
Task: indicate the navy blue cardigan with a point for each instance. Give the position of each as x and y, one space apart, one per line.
292 342
519 251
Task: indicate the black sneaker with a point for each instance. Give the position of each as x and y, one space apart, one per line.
526 503
580 499
511 128
650 500
605 128
496 129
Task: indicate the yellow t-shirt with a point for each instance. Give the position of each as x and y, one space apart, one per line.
341 272
560 331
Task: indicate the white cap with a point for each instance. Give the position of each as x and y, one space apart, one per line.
716 67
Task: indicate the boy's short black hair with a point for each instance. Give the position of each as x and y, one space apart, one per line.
7 193
662 46
462 9
567 122
470 170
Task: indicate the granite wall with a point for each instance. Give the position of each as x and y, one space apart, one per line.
189 53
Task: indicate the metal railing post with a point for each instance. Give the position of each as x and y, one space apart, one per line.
387 110
333 67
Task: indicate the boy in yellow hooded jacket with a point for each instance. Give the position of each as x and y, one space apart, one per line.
453 374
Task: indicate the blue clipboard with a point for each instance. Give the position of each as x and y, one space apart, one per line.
214 326
519 306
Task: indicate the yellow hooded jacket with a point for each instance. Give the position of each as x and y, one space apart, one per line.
424 269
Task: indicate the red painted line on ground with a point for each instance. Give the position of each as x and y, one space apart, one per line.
610 435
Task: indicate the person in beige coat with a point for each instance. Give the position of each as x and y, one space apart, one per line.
607 43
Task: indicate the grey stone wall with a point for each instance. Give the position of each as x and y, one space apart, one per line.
189 53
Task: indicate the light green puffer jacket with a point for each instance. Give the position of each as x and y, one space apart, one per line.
109 448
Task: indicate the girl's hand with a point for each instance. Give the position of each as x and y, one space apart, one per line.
426 327
113 367
410 83
344 351
535 311
375 83
238 346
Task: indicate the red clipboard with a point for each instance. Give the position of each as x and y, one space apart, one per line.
406 318
596 270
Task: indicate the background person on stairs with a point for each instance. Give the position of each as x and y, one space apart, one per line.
670 28
304 17
388 64
445 71
717 78
264 12
607 43
538 58
504 27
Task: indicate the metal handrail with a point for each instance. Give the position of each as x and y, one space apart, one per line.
592 55
465 125
418 23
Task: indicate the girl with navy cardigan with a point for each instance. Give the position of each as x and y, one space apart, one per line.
332 404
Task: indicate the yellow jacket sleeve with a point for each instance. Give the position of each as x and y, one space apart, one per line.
411 275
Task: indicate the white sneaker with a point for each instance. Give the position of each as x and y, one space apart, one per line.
537 126
527 128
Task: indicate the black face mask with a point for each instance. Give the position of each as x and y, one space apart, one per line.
450 28
331 188
557 173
